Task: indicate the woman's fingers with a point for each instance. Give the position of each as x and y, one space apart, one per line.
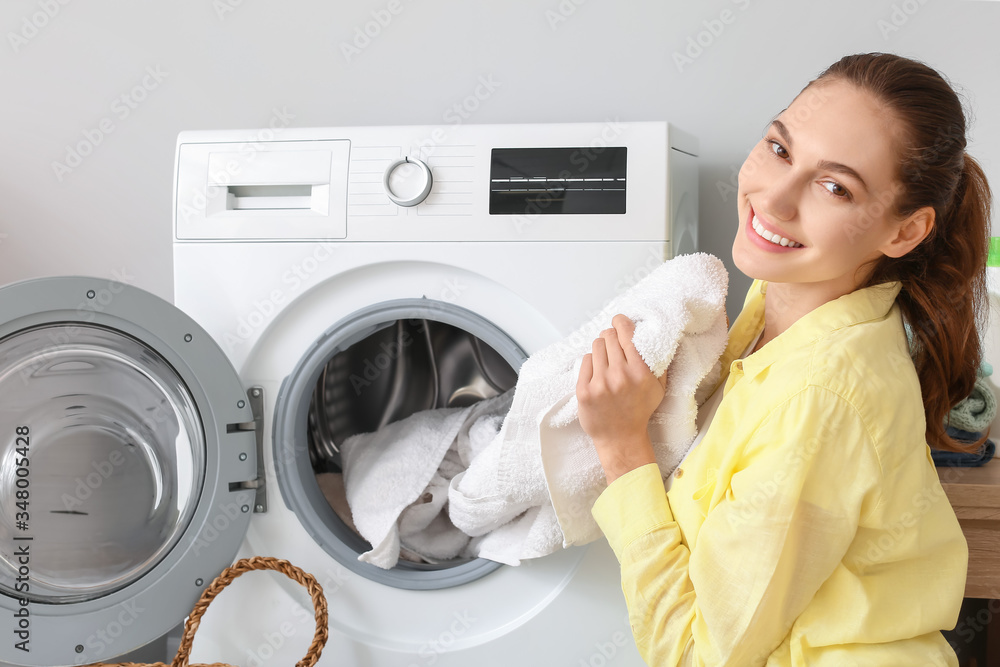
586 373
617 394
614 357
613 348
599 355
625 328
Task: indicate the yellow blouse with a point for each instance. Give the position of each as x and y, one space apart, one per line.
809 526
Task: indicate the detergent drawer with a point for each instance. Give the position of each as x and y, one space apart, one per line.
275 190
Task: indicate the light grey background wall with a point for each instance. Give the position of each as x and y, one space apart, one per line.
115 82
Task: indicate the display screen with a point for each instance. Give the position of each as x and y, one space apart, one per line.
554 181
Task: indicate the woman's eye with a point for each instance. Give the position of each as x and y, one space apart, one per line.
836 189
778 150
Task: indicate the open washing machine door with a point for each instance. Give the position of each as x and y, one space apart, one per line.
128 471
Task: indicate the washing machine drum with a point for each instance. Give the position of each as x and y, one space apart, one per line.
374 367
116 460
409 365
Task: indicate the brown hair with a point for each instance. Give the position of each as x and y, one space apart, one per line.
943 296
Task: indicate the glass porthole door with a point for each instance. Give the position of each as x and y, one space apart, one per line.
128 463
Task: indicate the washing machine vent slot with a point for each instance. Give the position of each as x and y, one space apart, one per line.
255 197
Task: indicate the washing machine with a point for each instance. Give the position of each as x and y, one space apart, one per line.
327 282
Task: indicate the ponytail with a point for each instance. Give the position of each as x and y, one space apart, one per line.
944 302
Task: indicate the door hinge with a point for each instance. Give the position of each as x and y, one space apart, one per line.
255 395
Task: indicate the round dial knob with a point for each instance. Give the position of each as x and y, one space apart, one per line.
408 181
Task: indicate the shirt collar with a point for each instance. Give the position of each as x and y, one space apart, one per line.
859 306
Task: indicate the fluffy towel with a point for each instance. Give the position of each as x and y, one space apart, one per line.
976 412
524 489
531 490
396 480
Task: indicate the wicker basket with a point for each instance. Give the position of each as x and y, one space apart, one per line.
226 578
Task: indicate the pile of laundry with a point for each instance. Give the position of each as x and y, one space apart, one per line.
968 421
515 476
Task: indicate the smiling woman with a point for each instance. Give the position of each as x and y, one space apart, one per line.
807 525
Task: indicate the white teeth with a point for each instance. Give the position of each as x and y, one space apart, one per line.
773 238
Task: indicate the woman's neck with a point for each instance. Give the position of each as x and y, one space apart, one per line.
785 303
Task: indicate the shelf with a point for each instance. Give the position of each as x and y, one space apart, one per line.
974 494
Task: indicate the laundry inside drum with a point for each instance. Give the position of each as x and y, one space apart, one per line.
407 366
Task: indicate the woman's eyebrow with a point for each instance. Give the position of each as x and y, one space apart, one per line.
827 165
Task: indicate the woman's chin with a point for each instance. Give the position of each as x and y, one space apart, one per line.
751 266
744 261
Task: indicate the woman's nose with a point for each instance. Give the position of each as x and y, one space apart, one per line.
780 197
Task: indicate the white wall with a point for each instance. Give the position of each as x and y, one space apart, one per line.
231 63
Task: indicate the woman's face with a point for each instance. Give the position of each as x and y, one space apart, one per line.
824 178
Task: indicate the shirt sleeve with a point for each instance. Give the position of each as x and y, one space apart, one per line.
795 497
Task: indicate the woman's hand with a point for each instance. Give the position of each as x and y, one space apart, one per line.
617 394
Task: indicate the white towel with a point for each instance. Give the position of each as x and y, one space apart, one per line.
396 479
531 490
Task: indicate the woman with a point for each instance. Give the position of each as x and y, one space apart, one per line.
808 526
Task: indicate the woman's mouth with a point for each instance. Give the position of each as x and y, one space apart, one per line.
764 237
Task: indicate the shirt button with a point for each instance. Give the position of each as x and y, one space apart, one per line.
678 473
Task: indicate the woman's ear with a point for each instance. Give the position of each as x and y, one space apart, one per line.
911 232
